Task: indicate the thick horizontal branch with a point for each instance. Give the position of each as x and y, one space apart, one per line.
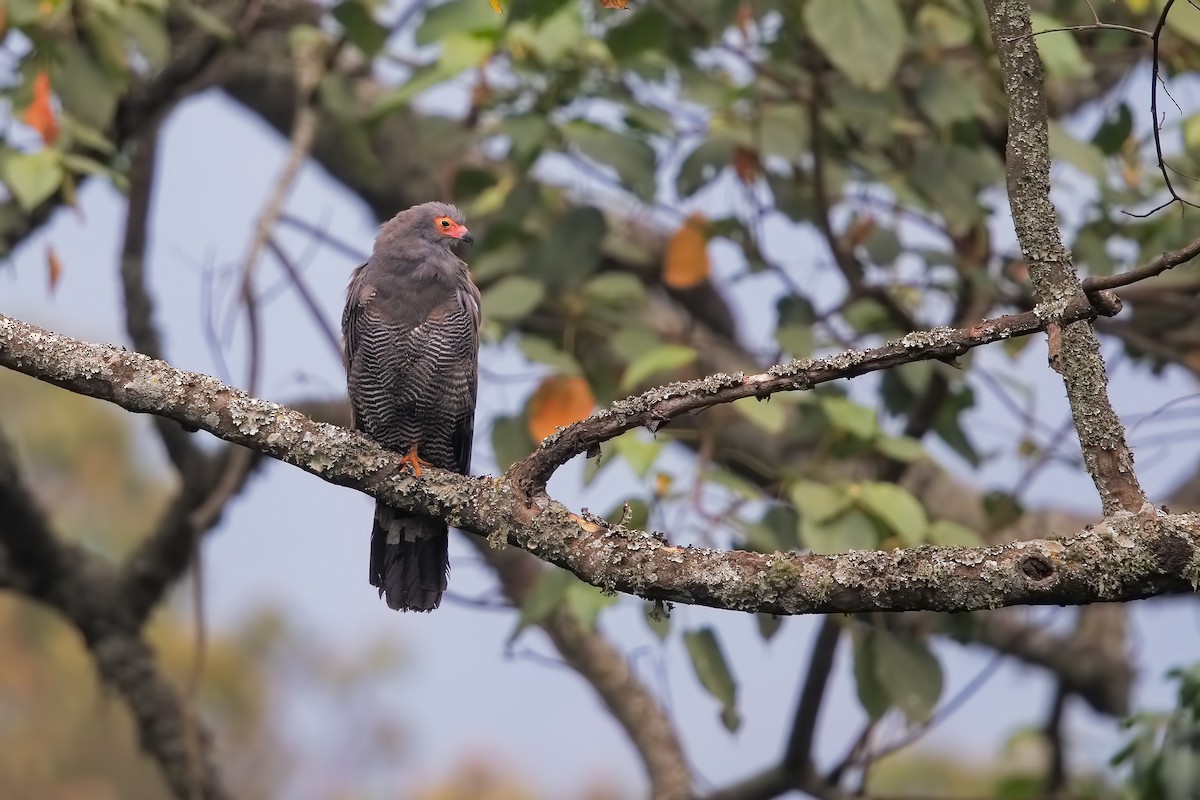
1127 557
654 408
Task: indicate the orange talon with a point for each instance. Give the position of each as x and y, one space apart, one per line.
415 461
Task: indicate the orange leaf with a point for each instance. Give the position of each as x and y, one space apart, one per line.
54 268
40 114
859 230
559 401
622 4
745 164
687 263
495 4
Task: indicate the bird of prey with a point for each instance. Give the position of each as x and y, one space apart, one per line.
410 335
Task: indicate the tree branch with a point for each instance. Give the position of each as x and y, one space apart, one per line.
1076 355
1125 558
84 589
599 663
656 407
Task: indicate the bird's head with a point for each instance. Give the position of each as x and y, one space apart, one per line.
436 223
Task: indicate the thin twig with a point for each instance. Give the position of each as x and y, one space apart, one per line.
1168 260
654 408
306 297
309 67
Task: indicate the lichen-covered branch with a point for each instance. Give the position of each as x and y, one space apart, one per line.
1074 348
1125 558
657 406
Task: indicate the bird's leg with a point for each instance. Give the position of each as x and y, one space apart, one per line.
415 461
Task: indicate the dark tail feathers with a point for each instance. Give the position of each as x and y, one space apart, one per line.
410 559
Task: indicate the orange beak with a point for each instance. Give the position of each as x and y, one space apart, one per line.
460 232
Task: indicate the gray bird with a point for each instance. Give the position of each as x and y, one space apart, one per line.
410 336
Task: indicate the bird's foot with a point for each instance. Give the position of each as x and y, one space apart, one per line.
415 461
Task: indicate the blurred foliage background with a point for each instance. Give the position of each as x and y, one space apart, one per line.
661 189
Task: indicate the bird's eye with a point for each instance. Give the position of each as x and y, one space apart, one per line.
445 223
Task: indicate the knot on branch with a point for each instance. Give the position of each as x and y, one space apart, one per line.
1037 568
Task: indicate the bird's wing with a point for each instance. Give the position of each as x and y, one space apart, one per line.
463 436
411 352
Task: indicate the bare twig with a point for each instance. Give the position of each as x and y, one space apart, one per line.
609 674
1056 768
797 758
309 67
306 296
795 770
1168 260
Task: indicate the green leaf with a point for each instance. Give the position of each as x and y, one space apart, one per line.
633 160
422 78
708 660
616 289
32 177
1059 51
1186 25
910 672
663 358
849 417
818 501
543 351
1112 134
457 17
559 35
702 166
897 509
794 330
872 694
148 33
657 620
769 416
87 91
586 602
768 625
947 95
943 27
900 448
208 22
639 451
850 530
82 165
361 27
87 136
951 534
511 441
528 134
544 599
571 251
647 29
463 51
1085 157
1191 133
512 298
863 38
949 425
782 131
